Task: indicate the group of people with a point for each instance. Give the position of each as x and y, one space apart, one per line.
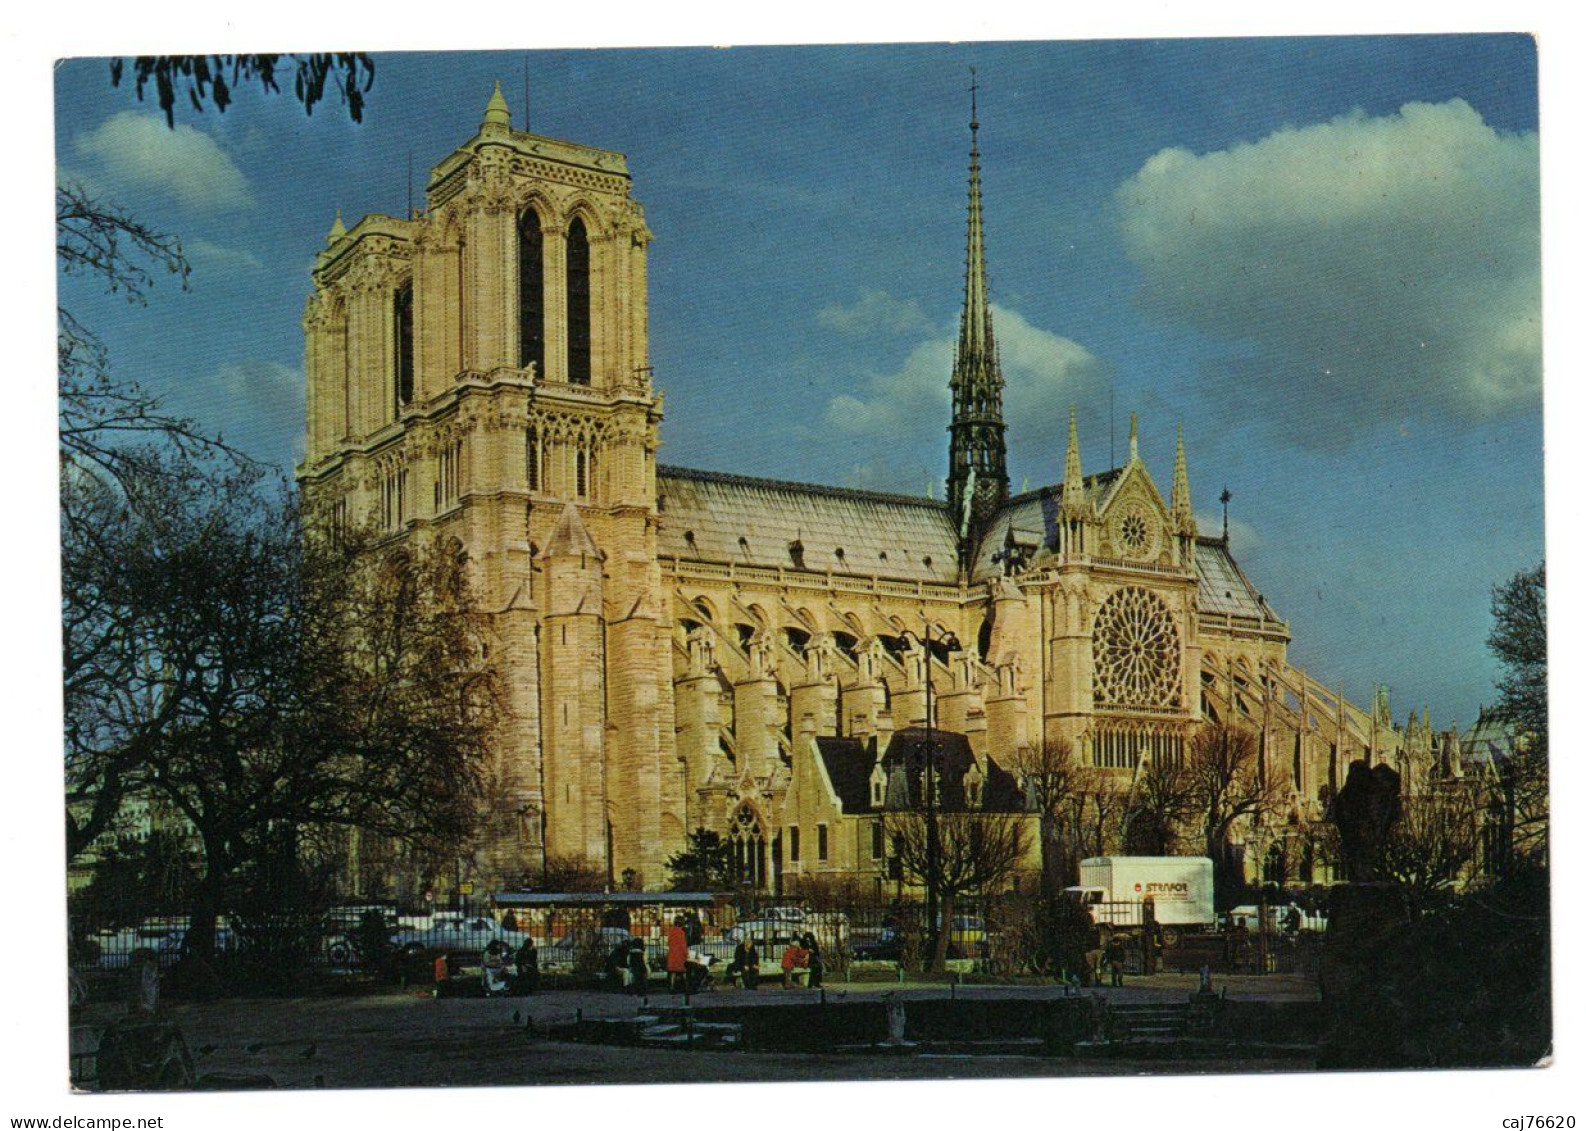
628 968
803 952
508 972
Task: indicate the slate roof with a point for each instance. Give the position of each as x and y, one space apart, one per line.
848 764
714 517
1224 588
735 518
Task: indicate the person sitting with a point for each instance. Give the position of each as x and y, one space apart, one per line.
795 961
745 965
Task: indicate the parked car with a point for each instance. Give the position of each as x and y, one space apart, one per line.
455 937
561 955
890 947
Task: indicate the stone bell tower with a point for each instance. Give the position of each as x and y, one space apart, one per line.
480 370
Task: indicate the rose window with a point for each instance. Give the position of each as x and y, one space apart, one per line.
1134 533
1137 651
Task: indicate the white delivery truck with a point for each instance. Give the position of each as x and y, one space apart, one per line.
1114 890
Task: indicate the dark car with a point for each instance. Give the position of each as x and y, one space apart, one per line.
890 947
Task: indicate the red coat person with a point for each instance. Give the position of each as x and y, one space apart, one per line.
676 950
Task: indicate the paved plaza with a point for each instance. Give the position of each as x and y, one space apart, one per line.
396 1038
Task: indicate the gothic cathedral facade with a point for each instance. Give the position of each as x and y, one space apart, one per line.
692 649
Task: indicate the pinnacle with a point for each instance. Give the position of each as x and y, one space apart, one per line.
496 112
1182 510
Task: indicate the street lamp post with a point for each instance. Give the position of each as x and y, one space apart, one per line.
933 846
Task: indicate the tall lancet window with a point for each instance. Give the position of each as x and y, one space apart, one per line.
404 345
578 352
531 293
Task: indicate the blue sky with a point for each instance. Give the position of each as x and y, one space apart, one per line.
1319 256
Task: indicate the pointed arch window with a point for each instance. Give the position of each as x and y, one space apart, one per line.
531 293
579 360
403 321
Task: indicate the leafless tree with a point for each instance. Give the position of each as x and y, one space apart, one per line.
1519 812
1161 799
1226 786
111 428
977 851
1433 844
1051 776
1095 814
571 873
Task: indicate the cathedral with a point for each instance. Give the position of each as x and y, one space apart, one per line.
687 648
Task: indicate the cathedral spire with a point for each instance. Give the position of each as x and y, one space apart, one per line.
1134 438
977 479
1183 513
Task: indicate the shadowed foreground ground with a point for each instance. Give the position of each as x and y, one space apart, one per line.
399 1039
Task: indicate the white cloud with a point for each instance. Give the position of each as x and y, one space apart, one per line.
906 410
256 406
1242 537
1367 268
211 257
138 151
875 311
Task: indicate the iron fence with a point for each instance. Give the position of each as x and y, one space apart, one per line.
585 942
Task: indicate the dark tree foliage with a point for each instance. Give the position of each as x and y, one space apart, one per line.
212 78
1468 985
255 680
136 877
132 560
1065 934
276 905
707 864
571 873
1519 641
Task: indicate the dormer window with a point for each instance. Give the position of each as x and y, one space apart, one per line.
795 551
